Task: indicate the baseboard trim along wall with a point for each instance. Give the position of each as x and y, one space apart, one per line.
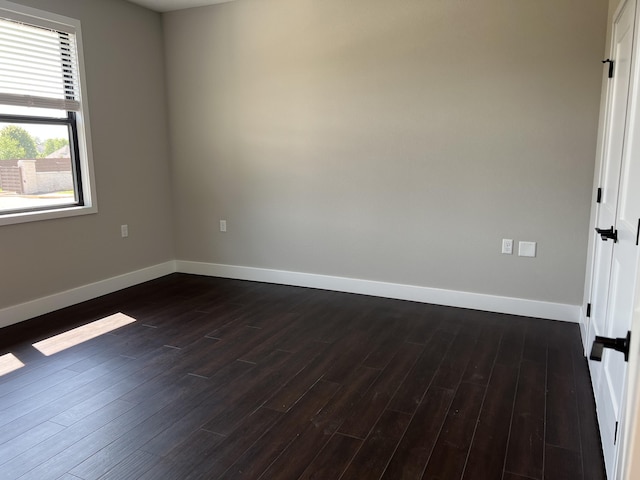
474 301
40 306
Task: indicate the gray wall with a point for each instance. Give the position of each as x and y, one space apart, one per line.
125 68
392 141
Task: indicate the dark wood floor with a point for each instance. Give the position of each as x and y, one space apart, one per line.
229 379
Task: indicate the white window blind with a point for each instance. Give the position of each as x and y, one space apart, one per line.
38 67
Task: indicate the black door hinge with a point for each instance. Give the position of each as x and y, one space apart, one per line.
638 233
599 196
588 310
610 62
615 435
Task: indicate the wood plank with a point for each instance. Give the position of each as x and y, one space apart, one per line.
333 459
50 409
293 336
242 401
513 476
347 400
27 462
30 399
229 450
379 395
383 354
23 443
371 460
294 459
268 447
414 450
426 323
483 356
592 456
355 346
413 388
196 448
560 464
535 342
511 345
292 391
89 455
131 467
229 350
193 419
562 423
488 450
454 442
525 452
105 394
450 372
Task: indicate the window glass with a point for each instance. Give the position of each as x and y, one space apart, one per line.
36 166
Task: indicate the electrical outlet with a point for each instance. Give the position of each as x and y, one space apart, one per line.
124 231
223 225
507 246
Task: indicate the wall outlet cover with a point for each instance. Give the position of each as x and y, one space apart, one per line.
527 249
507 246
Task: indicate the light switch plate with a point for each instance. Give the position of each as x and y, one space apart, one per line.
526 249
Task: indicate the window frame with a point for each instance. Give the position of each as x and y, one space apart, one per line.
78 123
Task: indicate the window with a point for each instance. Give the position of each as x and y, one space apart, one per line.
45 162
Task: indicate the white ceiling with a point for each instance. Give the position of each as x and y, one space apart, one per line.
169 5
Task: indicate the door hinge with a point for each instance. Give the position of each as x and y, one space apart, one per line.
599 196
588 310
615 435
610 62
638 233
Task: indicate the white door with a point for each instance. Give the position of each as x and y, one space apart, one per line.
629 457
615 263
624 271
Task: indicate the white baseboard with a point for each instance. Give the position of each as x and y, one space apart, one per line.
452 298
475 301
40 306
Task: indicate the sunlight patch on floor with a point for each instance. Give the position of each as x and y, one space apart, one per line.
9 363
81 334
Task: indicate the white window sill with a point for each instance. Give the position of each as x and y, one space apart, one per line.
37 216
